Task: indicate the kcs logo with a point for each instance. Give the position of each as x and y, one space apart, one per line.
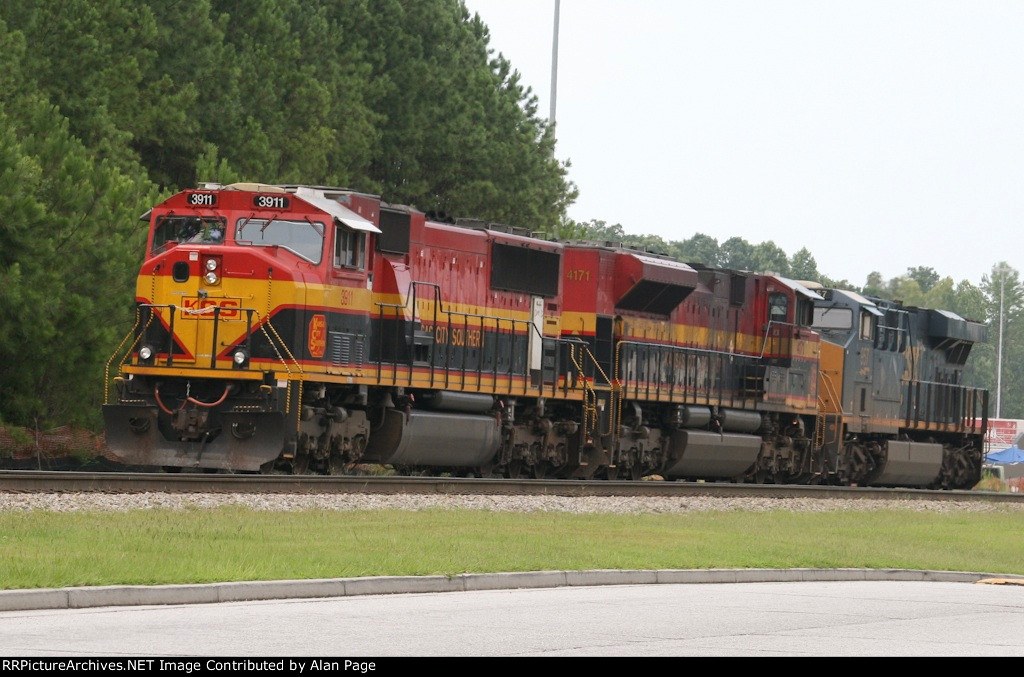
317 335
203 308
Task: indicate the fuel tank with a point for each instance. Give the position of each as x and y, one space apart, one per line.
434 438
447 400
910 464
713 455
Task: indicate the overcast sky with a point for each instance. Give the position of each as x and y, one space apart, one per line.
879 135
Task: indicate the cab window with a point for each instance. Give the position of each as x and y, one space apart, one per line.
866 328
832 317
804 312
349 248
778 307
303 238
191 229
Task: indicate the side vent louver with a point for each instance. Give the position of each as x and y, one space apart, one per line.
345 348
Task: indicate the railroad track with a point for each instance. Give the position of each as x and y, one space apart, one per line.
43 481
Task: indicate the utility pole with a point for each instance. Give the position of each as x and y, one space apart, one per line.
1002 270
554 66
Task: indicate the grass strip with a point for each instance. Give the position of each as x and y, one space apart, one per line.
50 549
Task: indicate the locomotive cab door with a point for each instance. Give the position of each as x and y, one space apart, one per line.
344 340
778 328
860 368
536 341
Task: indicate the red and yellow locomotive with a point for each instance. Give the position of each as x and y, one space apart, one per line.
306 328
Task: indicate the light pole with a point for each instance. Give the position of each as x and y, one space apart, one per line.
1002 270
554 65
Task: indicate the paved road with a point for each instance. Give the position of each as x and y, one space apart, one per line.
806 618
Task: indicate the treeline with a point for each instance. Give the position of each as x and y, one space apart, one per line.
109 105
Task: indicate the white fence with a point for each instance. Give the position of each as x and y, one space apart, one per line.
1002 433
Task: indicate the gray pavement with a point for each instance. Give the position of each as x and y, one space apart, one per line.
803 612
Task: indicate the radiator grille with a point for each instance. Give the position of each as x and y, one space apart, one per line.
345 348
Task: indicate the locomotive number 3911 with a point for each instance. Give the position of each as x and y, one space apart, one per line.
270 202
202 199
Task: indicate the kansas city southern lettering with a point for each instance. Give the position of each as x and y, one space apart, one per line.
317 335
459 336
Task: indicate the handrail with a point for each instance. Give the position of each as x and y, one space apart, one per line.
943 404
831 388
106 369
819 422
674 350
443 314
716 363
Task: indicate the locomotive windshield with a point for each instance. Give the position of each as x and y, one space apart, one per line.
832 317
303 238
194 229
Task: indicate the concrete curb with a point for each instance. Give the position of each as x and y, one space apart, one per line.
208 593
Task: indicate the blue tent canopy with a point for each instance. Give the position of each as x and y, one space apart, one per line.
1008 455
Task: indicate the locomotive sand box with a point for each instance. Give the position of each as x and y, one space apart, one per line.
286 328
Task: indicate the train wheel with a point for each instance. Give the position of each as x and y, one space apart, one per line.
337 466
514 470
300 466
541 470
269 468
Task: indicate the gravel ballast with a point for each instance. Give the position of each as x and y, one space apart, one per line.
85 502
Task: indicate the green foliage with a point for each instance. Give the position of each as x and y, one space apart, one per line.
737 253
1002 298
389 96
925 276
802 266
68 256
700 248
461 135
768 257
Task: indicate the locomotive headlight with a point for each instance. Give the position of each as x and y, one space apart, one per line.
211 278
145 353
211 264
241 358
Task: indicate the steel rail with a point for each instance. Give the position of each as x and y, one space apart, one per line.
44 481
